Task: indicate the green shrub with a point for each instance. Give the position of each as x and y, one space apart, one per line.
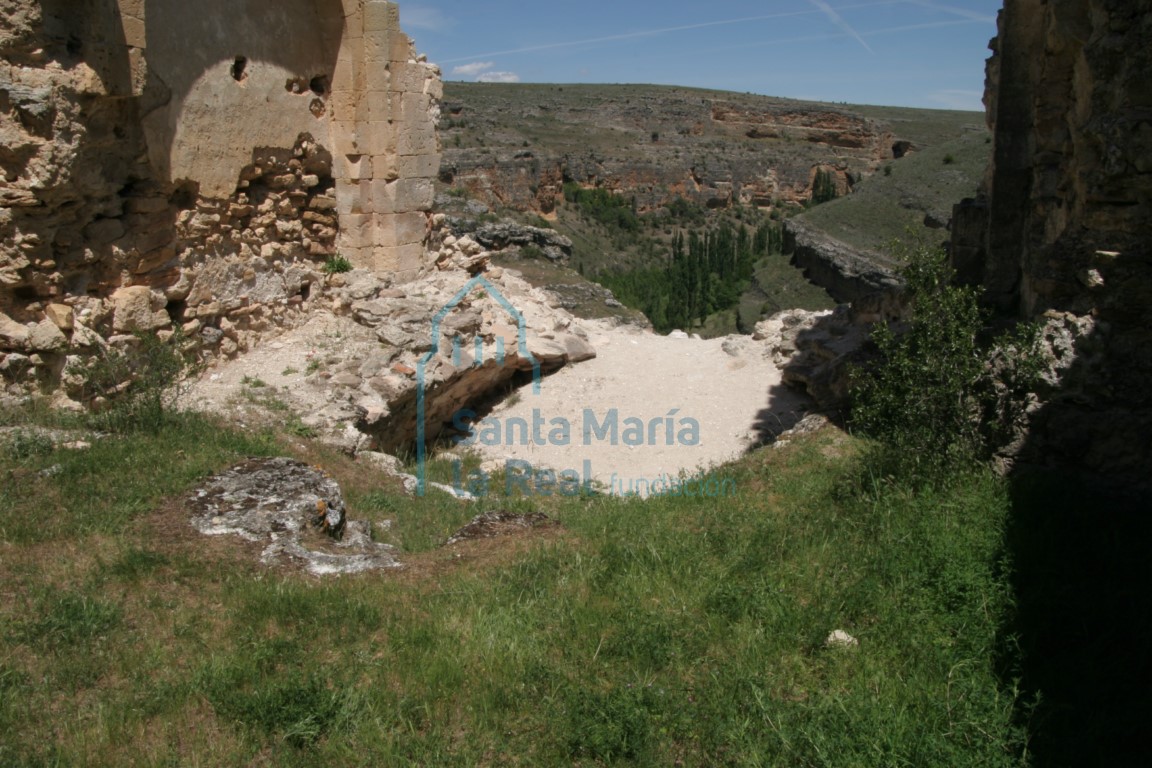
23 444
136 387
936 403
336 265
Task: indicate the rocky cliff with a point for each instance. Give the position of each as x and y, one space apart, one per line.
515 145
846 273
1060 231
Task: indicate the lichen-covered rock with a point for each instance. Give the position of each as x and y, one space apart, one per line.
298 510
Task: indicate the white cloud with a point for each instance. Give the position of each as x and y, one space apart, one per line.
959 99
498 77
423 17
474 68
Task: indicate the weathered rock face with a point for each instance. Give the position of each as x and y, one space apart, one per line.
1062 227
845 273
653 146
205 169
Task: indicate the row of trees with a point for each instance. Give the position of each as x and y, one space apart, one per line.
706 273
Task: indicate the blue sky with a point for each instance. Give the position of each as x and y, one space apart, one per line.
920 53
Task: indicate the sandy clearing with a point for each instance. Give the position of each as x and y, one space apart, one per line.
730 387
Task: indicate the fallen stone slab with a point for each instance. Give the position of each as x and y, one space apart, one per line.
492 524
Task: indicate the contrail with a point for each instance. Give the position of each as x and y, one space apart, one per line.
839 21
838 35
665 30
963 13
626 36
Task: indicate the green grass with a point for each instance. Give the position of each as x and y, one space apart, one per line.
885 206
652 632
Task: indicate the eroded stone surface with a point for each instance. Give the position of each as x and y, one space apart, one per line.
162 170
297 509
355 368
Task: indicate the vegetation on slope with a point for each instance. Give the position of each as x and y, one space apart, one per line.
915 193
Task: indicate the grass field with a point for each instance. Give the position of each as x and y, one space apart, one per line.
670 631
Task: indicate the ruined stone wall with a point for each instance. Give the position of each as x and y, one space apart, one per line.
1062 232
194 165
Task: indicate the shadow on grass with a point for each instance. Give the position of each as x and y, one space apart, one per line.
1083 586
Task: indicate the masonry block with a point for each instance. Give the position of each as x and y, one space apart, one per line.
414 194
381 106
418 166
380 16
387 166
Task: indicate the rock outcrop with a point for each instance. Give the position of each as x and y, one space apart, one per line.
843 271
373 352
1060 232
296 510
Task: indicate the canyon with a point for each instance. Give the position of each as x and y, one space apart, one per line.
214 196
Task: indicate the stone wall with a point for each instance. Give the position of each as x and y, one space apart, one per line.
1061 231
194 165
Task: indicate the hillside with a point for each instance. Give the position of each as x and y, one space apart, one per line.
513 144
682 160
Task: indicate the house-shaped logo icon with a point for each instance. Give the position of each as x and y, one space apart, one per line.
478 358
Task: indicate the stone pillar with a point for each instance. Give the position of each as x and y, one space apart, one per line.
386 149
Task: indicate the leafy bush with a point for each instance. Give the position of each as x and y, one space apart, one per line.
136 387
936 403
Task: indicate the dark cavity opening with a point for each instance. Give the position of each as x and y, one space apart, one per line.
319 85
175 310
185 194
239 67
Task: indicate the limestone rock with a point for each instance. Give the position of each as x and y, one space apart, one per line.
137 309
844 272
46 337
838 638
296 509
61 315
500 523
13 335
